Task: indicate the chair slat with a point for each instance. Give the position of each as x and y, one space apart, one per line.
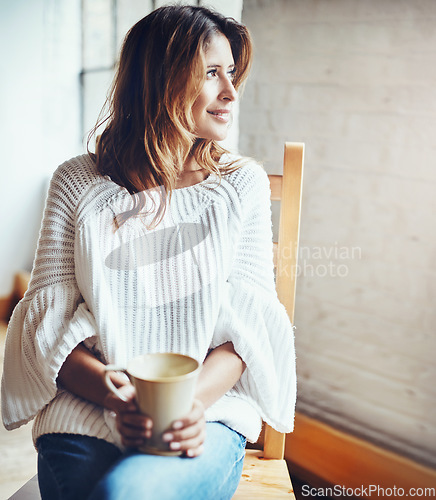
286 254
289 229
275 253
275 182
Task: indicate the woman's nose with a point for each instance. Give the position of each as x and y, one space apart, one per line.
228 92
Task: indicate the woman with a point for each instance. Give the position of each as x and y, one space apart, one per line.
110 281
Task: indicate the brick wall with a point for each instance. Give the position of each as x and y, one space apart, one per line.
355 80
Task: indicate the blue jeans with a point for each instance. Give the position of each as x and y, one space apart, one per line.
74 467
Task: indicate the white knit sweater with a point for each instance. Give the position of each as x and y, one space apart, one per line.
203 277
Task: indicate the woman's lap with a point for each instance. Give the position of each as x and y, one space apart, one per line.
70 466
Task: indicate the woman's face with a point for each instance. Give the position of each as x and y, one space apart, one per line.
212 108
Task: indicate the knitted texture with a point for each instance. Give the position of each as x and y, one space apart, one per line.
202 277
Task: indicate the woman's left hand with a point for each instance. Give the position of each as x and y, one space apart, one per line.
188 433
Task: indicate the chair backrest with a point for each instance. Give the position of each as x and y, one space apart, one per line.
288 189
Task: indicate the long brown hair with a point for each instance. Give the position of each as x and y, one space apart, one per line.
149 127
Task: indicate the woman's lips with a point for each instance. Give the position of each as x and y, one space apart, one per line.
222 115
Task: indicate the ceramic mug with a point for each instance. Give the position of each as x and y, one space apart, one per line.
165 388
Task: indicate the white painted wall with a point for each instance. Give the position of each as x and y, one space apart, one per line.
355 80
20 133
39 104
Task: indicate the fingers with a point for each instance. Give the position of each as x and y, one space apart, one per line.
195 415
133 426
189 433
191 447
114 403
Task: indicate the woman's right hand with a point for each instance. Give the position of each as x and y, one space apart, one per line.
133 427
84 375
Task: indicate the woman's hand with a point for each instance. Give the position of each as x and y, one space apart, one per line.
83 374
188 433
133 427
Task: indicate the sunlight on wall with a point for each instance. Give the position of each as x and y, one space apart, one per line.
40 113
354 81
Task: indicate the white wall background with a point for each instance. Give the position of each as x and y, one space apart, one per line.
39 117
356 81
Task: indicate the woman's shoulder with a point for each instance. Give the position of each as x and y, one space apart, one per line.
75 177
77 171
81 186
249 177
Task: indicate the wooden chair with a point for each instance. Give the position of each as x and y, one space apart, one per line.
265 474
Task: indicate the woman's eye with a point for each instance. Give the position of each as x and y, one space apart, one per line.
212 73
232 74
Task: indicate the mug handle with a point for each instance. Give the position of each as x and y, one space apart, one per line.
110 385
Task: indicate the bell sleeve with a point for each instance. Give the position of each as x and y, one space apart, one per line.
251 315
51 319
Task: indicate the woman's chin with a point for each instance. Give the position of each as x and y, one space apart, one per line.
216 135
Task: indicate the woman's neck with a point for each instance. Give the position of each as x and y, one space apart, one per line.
191 164
191 174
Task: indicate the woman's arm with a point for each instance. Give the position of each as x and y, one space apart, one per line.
83 375
221 370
